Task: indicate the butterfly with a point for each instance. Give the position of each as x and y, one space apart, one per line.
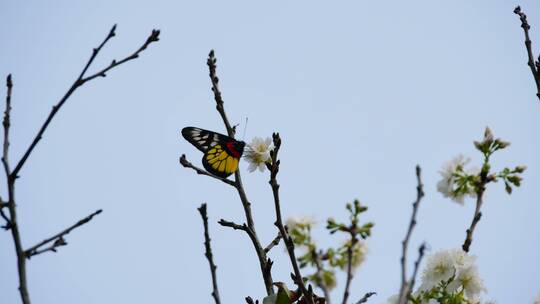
221 153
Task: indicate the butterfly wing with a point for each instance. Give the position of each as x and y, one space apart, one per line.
221 153
202 139
219 162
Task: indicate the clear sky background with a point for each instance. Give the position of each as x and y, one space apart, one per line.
361 92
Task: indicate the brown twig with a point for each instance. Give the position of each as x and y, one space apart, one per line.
481 188
184 162
81 80
365 298
13 224
57 240
11 176
350 274
273 243
533 65
264 262
412 281
406 285
273 166
208 253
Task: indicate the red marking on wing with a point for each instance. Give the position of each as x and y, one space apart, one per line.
230 147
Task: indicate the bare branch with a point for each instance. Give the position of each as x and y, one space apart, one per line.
6 122
365 298
211 62
274 169
12 221
81 80
57 240
184 162
406 286
476 218
272 244
412 281
534 66
350 275
261 254
481 188
208 253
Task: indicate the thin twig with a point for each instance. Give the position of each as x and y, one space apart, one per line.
406 287
211 62
11 176
187 164
477 213
273 243
350 274
264 262
320 280
58 239
274 169
208 253
13 224
480 189
365 298
81 80
412 280
534 66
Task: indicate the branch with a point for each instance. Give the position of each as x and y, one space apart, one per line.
365 298
354 240
412 281
6 122
81 80
534 66
406 286
274 242
211 62
274 169
4 216
58 239
5 151
12 222
184 162
208 253
481 188
264 262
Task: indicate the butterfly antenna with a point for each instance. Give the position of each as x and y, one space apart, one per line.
245 127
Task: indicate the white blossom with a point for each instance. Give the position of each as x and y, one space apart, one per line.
462 259
447 185
300 222
439 267
470 280
445 264
258 153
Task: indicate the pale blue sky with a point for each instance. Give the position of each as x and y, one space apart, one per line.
361 91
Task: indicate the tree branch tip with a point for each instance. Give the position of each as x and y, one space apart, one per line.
9 82
112 32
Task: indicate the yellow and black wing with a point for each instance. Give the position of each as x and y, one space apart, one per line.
220 163
221 153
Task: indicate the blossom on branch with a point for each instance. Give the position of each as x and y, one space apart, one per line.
457 182
257 153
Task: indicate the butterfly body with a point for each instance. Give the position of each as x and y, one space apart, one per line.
221 153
